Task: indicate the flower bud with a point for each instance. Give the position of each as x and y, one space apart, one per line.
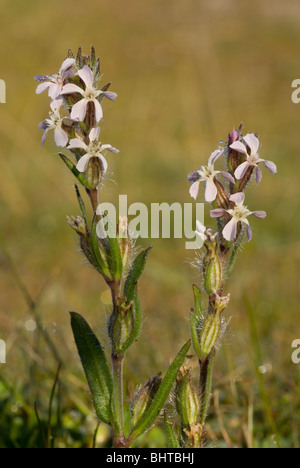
143 398
213 275
124 241
234 158
210 333
122 328
94 172
187 399
78 224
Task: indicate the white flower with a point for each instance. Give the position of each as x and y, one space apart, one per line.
55 123
207 174
89 94
201 231
54 83
93 150
239 214
253 159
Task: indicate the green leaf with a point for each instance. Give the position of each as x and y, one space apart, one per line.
135 274
79 176
103 268
95 366
172 439
161 396
195 317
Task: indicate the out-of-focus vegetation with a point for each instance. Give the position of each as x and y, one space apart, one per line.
187 72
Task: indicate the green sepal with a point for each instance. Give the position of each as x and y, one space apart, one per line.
135 274
101 264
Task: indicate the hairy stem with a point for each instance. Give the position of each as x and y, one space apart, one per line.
117 400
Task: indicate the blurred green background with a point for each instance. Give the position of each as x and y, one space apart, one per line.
187 73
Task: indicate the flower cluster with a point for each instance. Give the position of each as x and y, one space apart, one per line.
241 153
75 114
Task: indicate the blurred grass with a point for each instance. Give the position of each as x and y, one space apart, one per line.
187 73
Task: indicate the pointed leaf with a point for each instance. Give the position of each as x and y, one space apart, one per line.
95 366
135 274
161 396
172 439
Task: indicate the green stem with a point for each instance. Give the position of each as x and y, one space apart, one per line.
117 400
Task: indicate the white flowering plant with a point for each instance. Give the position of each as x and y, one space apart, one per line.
76 116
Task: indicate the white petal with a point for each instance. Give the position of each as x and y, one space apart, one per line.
253 142
71 88
79 110
66 64
228 176
211 191
249 232
259 214
109 148
42 87
54 90
258 175
87 76
60 137
104 163
215 156
241 170
271 166
229 231
200 227
77 143
110 95
94 134
217 213
239 147
83 162
194 190
238 198
98 111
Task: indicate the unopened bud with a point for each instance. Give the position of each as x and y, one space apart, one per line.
124 241
78 224
210 333
122 328
144 397
187 399
234 158
213 275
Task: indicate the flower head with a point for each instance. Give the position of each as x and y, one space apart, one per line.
253 159
54 83
239 214
55 122
93 150
207 174
89 94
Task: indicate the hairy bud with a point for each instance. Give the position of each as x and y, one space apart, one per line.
187 399
143 398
